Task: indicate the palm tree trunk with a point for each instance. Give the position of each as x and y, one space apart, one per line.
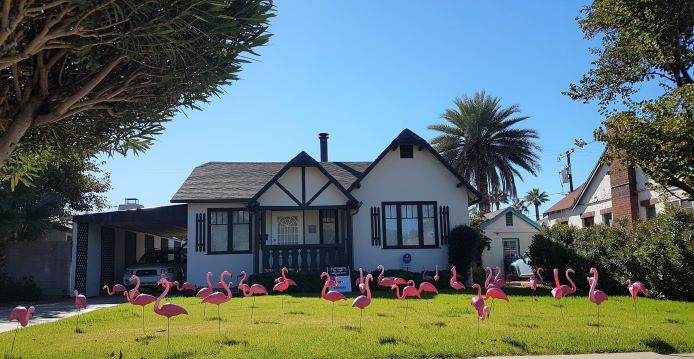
537 212
483 188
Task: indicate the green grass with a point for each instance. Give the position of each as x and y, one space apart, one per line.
301 328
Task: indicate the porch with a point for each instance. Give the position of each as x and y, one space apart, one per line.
307 240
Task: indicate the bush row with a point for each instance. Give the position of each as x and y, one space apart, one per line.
659 252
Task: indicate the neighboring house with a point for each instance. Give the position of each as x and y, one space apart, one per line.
308 215
612 191
45 261
511 232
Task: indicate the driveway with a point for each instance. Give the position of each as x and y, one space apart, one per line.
52 311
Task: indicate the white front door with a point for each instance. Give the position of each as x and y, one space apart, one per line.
287 227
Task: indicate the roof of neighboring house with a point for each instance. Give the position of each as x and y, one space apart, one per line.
493 216
240 181
566 202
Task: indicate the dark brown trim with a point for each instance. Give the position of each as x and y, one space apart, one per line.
230 231
648 202
313 198
303 185
587 214
606 210
420 223
288 193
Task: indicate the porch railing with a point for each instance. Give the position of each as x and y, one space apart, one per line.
303 257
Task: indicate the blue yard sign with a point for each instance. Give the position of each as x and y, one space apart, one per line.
406 258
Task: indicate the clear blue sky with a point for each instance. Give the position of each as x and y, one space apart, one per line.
363 71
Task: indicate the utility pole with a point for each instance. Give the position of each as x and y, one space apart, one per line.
567 154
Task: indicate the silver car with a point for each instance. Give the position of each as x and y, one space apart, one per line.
153 264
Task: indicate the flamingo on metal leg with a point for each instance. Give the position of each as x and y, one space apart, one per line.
332 295
363 301
204 292
220 298
21 315
167 310
596 296
634 290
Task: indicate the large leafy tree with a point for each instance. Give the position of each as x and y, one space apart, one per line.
479 140
58 191
645 44
521 205
85 76
536 198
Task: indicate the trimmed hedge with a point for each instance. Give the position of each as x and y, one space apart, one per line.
659 252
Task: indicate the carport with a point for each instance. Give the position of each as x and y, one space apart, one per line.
105 243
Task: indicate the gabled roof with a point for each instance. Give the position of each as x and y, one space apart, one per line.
566 202
303 159
240 181
407 137
494 216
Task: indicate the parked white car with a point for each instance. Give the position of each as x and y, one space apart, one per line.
153 264
520 268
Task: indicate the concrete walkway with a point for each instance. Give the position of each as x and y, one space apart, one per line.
643 355
50 312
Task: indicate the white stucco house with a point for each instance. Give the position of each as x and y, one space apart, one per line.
305 214
612 191
511 232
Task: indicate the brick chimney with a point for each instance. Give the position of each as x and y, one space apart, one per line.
625 197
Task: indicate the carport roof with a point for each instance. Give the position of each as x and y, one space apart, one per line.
164 221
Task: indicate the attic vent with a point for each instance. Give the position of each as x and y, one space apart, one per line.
406 151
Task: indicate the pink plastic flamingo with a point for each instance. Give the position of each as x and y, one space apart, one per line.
167 310
118 288
436 275
495 292
204 292
283 278
557 292
21 315
410 290
596 296
363 301
426 287
566 290
253 290
384 281
360 281
453 282
478 303
187 286
534 281
498 281
220 297
141 300
425 276
80 303
331 295
634 290
488 280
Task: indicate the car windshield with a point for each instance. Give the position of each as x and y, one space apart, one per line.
158 257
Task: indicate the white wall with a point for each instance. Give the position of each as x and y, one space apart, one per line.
497 231
199 263
422 178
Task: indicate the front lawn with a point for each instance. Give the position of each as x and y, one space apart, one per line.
301 327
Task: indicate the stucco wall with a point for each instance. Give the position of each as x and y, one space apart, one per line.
422 178
497 231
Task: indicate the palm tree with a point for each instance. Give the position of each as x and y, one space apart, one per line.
537 198
479 142
497 197
520 205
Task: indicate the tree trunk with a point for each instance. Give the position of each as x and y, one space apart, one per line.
17 128
537 213
483 188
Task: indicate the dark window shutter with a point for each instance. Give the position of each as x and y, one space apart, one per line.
375 226
200 232
164 244
445 224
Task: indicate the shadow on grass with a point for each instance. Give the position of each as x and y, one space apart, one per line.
179 355
524 325
658 345
233 342
265 322
387 340
79 331
384 315
516 344
145 340
434 324
113 355
353 328
674 321
296 313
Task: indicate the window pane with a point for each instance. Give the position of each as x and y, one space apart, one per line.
288 230
329 233
511 248
391 234
509 219
219 238
241 239
429 228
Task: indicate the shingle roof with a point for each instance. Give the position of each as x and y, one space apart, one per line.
492 216
566 202
239 181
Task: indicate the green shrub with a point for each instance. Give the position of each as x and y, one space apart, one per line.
25 289
659 252
465 246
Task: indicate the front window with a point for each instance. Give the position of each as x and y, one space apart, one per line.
230 231
287 230
588 221
410 224
509 219
650 211
328 226
607 219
